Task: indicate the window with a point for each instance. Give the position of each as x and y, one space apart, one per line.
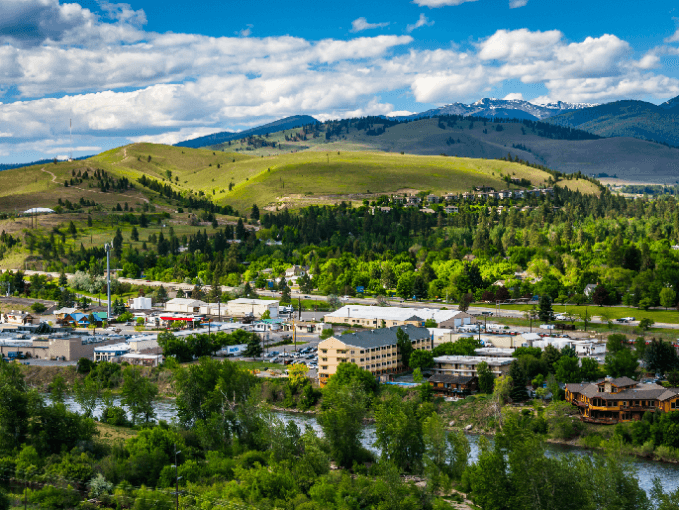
324 367
324 351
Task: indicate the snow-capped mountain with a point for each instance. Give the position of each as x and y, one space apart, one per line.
508 108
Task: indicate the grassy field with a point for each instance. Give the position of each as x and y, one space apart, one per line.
110 434
606 312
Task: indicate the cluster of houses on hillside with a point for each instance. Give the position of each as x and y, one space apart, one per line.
480 194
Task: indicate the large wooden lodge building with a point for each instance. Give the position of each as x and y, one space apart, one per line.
617 400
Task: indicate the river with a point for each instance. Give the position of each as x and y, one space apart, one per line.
647 470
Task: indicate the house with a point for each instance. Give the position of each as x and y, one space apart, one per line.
433 199
63 312
184 305
382 209
82 320
296 271
414 200
16 317
467 365
468 196
589 289
450 209
449 385
617 400
427 210
450 197
398 200
375 350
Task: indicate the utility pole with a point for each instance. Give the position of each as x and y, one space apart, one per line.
107 247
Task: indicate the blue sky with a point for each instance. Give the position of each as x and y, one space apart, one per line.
171 70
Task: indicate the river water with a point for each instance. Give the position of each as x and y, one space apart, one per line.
646 470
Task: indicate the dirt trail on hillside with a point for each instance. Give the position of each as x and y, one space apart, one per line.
54 180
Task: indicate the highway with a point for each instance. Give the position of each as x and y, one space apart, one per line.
518 314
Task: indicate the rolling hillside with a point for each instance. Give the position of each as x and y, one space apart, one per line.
636 119
239 180
625 157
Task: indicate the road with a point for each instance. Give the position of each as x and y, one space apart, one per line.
517 314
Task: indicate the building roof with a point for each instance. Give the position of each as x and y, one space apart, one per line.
620 382
472 360
65 311
643 391
451 379
247 301
185 302
392 313
121 347
382 336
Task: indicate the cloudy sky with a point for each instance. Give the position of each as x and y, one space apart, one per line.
164 71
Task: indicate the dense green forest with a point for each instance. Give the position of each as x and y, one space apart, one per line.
549 245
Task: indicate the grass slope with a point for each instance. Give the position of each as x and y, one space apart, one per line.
628 158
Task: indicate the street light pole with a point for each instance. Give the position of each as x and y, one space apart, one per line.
107 247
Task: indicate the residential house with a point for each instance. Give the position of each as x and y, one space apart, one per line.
467 365
16 317
589 289
618 400
433 199
449 385
450 209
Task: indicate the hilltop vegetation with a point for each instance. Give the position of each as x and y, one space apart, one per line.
561 148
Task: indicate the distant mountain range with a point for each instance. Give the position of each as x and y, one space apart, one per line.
226 136
637 119
502 108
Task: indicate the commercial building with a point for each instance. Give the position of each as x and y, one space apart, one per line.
184 305
110 352
374 350
388 316
141 303
467 365
256 307
616 400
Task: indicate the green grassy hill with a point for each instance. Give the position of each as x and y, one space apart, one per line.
628 158
239 180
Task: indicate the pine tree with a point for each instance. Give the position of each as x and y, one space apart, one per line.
255 212
516 372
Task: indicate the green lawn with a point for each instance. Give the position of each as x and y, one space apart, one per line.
260 365
612 313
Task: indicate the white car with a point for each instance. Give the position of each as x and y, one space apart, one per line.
628 319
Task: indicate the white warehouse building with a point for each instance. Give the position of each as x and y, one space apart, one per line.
257 307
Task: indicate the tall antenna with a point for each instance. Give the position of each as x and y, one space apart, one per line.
70 139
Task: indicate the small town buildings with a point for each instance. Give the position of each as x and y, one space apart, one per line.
453 385
467 365
451 209
61 313
256 307
184 305
140 359
433 199
296 271
387 316
618 400
110 352
141 303
16 317
373 350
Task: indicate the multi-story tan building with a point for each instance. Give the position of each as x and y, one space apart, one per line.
374 350
467 365
388 316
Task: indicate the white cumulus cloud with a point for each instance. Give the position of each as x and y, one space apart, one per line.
513 4
422 22
440 3
361 24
